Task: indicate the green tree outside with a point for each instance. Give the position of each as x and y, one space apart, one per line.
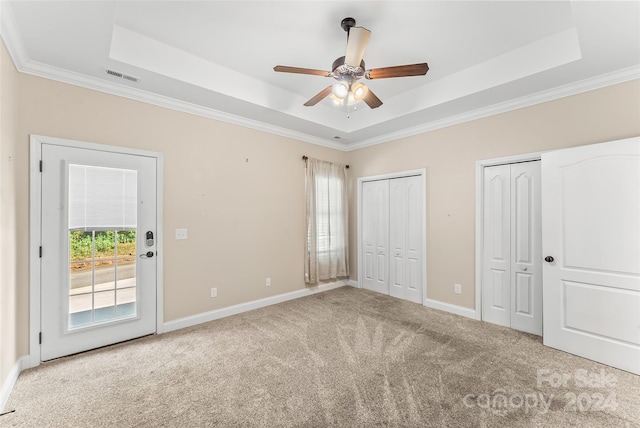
80 244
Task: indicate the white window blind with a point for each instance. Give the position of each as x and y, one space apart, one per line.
102 198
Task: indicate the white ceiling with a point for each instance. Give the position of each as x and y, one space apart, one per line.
216 58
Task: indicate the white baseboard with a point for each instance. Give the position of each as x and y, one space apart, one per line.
249 306
10 381
352 283
448 307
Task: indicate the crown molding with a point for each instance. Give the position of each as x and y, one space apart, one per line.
22 62
598 82
65 76
20 57
11 37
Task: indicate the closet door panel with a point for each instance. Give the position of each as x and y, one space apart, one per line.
526 254
496 251
414 257
397 236
375 235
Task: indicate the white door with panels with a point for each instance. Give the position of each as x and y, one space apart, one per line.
405 238
392 237
98 264
375 235
512 248
591 224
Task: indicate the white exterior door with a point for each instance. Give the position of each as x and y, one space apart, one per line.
98 264
375 235
512 265
591 224
405 225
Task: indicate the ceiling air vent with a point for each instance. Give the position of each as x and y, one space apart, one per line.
121 75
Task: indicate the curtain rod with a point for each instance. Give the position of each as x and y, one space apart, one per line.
305 158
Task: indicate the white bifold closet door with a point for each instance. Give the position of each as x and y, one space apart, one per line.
375 235
512 248
392 235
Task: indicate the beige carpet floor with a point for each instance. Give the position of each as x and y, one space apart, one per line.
345 358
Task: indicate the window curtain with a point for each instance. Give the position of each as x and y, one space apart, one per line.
326 255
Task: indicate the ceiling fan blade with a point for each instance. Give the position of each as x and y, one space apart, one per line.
287 69
356 45
398 71
319 96
372 100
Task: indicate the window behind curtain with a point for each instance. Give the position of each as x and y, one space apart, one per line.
326 255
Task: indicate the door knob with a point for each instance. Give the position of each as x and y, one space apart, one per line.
524 268
548 259
148 255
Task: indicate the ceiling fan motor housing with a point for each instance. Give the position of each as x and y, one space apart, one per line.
342 71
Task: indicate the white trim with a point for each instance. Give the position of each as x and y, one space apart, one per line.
76 79
591 84
24 64
448 307
480 165
248 306
12 39
410 173
353 283
11 379
159 243
35 209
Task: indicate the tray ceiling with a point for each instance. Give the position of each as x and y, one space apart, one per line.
216 58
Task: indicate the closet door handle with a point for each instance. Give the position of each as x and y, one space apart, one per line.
549 259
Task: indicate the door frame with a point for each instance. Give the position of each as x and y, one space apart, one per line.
411 173
480 166
35 218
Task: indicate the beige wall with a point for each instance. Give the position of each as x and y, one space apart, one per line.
239 192
9 351
246 218
449 156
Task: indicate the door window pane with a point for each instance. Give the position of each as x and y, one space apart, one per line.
102 245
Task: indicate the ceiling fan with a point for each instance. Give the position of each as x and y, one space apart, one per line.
348 69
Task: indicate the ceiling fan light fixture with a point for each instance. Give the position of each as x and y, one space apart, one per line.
341 90
350 99
359 91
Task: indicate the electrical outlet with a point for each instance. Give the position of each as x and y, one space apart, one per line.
181 234
457 288
214 292
267 282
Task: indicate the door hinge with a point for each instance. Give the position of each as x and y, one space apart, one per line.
40 166
40 338
40 252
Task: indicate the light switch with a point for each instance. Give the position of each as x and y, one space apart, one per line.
181 233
